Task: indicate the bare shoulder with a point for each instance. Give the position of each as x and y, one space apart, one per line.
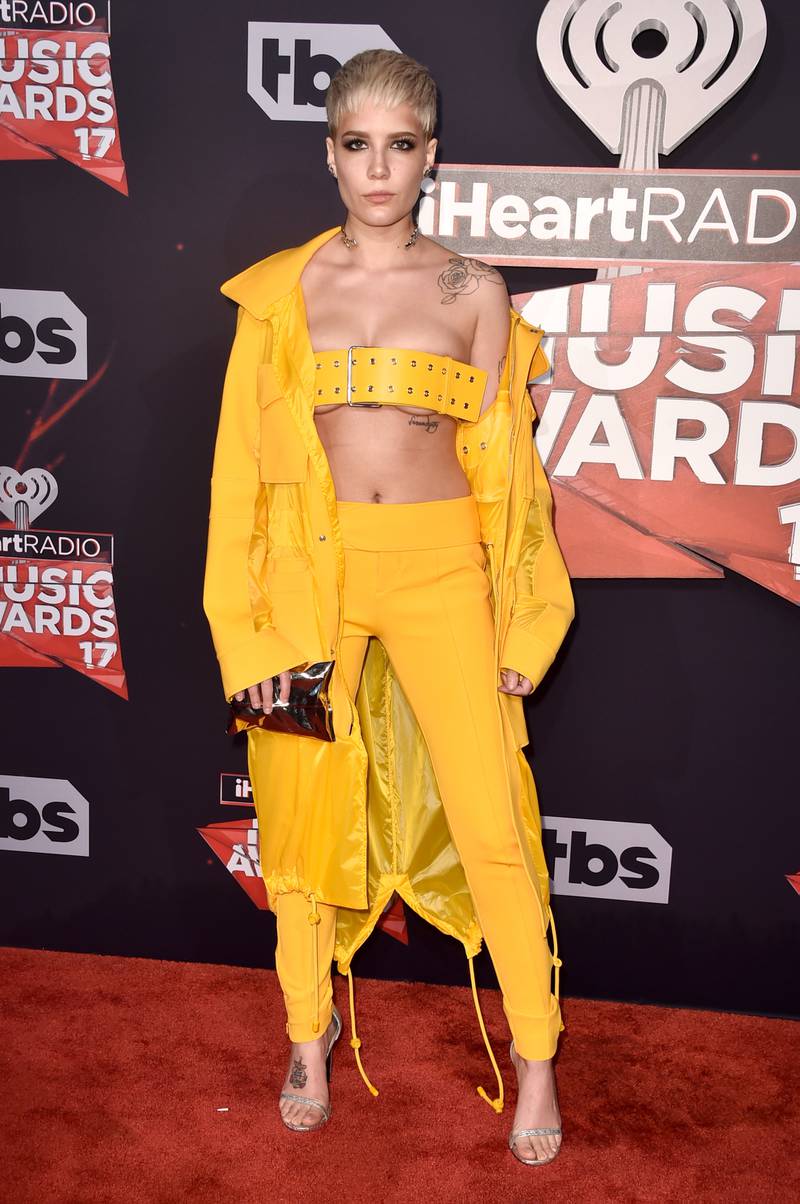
462 279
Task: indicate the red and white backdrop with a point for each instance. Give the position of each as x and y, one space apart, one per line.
632 169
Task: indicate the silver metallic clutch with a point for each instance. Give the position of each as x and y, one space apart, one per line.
307 713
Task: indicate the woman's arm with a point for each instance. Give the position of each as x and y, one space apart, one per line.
543 606
490 337
246 655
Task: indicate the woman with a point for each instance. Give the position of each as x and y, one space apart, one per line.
375 475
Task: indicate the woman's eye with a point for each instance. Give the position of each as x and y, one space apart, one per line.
355 143
404 144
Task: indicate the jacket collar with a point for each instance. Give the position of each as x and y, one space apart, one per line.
257 287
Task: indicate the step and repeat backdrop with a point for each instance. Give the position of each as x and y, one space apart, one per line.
633 170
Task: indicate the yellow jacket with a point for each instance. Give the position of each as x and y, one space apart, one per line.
273 527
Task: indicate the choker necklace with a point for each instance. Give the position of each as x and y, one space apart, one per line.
353 242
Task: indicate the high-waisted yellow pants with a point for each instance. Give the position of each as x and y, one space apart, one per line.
414 577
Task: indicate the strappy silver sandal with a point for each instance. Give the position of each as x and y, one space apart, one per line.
516 1134
306 1099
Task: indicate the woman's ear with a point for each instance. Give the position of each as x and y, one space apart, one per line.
430 153
329 152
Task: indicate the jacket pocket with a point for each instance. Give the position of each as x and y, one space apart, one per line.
283 457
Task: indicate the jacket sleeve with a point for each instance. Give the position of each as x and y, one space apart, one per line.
543 607
249 649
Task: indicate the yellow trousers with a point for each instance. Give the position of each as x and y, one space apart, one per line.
414 577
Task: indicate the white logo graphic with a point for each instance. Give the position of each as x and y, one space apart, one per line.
41 334
43 815
289 66
607 860
645 105
24 495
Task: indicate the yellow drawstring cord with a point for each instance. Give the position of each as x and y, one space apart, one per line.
355 1040
314 919
556 959
497 1104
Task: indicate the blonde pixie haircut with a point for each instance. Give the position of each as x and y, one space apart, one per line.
386 77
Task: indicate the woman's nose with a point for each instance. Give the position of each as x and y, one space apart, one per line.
378 168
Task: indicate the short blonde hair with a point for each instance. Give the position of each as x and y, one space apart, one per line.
386 77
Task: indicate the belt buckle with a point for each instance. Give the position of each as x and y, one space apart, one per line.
370 405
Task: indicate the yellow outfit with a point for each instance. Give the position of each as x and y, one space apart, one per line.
348 823
415 578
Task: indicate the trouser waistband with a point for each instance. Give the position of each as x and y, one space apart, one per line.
405 526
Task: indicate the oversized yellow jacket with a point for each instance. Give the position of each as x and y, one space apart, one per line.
355 820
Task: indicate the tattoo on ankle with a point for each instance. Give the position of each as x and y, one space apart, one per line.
428 424
299 1074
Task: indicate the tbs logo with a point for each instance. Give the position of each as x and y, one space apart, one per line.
41 334
607 860
289 66
43 815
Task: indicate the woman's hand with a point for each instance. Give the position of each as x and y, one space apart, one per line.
260 695
514 683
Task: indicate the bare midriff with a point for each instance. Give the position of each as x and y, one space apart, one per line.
391 454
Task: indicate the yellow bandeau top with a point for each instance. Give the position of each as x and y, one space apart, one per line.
381 376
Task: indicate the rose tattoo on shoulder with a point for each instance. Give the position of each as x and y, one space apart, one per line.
462 276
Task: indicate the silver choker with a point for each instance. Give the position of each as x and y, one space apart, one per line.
353 242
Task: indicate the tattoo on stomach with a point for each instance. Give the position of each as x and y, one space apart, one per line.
428 424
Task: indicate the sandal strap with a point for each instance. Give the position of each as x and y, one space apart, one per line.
554 1132
337 1025
306 1099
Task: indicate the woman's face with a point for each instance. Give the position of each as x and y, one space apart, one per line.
379 156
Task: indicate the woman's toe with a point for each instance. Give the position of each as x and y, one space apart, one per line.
541 1150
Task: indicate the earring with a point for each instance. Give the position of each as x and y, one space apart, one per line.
427 171
332 170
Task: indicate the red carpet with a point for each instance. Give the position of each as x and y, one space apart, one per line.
115 1071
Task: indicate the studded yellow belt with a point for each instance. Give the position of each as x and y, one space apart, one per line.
380 376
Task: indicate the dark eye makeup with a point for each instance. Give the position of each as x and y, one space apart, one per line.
402 144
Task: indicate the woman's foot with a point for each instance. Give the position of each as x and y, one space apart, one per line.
537 1108
307 1078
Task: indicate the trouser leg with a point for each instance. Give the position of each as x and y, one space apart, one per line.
303 961
305 945
437 627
